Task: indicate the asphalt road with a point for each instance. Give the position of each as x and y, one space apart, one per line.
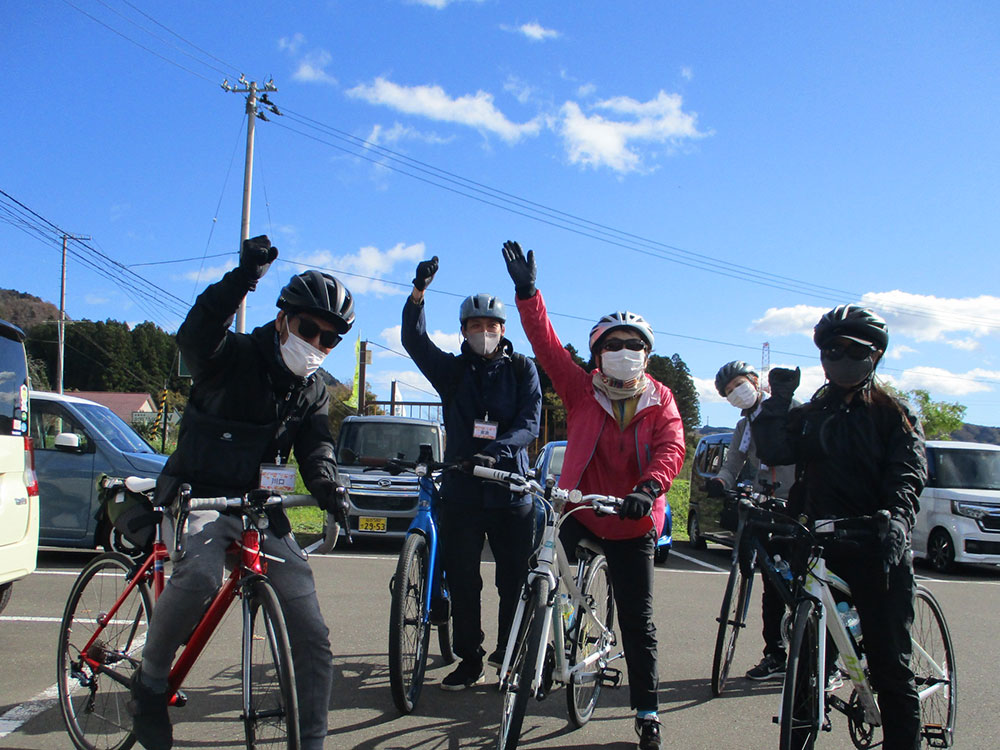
355 599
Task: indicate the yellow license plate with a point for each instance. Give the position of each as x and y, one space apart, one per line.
367 523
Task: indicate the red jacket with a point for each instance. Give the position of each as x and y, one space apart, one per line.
600 457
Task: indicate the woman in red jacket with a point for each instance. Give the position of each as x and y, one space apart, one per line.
625 439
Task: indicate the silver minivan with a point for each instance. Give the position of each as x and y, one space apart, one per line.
76 441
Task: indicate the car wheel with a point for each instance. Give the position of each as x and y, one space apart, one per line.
694 532
941 551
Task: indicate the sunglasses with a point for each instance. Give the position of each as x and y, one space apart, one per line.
616 345
853 350
308 330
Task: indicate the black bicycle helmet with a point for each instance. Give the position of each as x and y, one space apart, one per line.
320 294
482 306
732 370
853 322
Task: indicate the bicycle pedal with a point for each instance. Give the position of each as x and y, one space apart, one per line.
609 677
936 735
179 700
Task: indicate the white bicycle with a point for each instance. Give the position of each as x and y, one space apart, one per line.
563 628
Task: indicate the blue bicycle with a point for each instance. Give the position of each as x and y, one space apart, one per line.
419 591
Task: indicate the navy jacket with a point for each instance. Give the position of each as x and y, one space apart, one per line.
473 387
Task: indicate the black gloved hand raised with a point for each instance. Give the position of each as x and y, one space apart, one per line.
522 270
256 256
783 382
636 505
894 544
425 273
331 497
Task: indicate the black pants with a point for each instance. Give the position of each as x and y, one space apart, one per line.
886 617
630 566
464 526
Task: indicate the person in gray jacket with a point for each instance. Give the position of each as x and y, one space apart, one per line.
739 384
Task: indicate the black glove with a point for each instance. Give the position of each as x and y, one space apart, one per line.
425 273
256 257
636 505
715 488
783 382
894 544
521 269
330 498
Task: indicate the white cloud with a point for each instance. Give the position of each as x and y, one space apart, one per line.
686 73
292 44
311 64
365 268
439 4
594 140
380 135
209 274
476 110
585 90
519 89
896 351
706 390
533 31
783 321
410 384
449 341
942 381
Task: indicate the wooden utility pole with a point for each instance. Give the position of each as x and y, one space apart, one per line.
61 355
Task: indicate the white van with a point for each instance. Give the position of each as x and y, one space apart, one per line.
18 486
959 518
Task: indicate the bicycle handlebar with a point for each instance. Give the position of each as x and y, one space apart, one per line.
605 504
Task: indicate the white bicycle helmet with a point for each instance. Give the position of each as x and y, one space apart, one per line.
621 319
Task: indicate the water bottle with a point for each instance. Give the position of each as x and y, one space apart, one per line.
849 616
567 611
782 567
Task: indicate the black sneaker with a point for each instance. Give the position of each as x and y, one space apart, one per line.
150 720
466 674
495 659
770 668
649 733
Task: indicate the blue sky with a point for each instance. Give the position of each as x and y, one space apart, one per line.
728 170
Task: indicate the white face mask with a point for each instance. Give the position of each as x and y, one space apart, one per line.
301 357
484 343
743 396
624 364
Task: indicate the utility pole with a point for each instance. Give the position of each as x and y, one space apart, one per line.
250 89
392 399
61 355
363 355
765 366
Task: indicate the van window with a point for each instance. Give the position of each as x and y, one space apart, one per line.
48 419
380 440
114 429
965 469
13 378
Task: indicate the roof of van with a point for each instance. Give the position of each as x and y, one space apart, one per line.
962 445
11 331
392 420
53 396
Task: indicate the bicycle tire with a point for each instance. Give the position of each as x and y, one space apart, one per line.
581 698
446 641
732 619
800 719
522 668
933 665
409 631
270 702
94 702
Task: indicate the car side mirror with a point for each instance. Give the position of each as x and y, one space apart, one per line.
67 441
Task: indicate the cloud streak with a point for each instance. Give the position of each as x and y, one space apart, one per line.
533 31
366 268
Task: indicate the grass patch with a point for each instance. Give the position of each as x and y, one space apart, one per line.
679 497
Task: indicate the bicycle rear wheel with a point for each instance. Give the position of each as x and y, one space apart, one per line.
270 706
409 632
517 689
933 665
732 619
585 689
94 687
800 719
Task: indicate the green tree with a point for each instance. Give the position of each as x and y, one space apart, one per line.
673 372
938 418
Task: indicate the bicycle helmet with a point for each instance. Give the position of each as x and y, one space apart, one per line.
320 294
621 319
732 370
853 322
482 306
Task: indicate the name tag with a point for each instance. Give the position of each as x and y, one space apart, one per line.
485 430
277 478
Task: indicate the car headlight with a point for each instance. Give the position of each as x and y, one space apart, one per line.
970 510
345 481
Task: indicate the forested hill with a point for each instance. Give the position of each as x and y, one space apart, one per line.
25 310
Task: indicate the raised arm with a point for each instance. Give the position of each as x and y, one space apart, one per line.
429 359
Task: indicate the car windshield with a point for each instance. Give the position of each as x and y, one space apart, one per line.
964 469
112 427
361 441
556 462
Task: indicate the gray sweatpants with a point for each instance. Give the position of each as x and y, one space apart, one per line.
195 579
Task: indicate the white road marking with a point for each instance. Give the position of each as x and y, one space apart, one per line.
696 561
18 715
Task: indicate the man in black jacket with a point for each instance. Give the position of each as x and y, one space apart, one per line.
254 399
492 403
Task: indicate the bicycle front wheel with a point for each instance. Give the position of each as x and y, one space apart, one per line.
800 719
409 632
94 686
517 688
588 638
270 706
732 619
933 665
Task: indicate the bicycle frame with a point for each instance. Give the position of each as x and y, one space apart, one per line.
425 523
